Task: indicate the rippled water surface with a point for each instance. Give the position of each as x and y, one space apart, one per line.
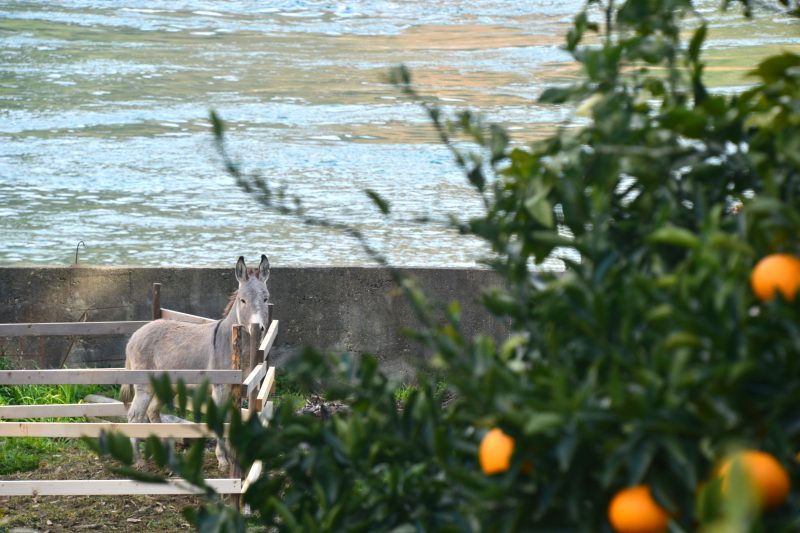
104 104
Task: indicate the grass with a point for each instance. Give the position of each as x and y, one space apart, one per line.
287 392
403 392
20 454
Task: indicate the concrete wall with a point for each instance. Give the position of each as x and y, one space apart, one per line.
344 309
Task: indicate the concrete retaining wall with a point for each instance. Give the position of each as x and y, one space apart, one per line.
344 309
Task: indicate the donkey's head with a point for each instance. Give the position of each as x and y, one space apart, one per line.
252 297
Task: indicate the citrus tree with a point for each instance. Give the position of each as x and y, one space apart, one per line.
652 384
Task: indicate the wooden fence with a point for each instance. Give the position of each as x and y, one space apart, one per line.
256 387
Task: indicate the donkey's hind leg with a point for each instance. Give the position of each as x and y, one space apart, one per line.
138 412
219 393
154 411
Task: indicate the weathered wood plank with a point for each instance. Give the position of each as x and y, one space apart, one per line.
237 337
93 429
266 388
169 314
112 487
253 353
269 338
252 381
63 410
34 329
252 475
114 376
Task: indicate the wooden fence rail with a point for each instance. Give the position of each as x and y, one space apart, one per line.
53 329
115 376
140 430
111 487
67 410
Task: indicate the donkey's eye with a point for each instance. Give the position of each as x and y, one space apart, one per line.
243 301
265 299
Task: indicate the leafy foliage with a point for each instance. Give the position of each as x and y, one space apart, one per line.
645 362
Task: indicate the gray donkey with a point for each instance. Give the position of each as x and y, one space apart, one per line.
175 345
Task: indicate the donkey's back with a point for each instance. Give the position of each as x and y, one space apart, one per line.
171 344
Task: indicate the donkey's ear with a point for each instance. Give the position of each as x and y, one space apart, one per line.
241 270
263 269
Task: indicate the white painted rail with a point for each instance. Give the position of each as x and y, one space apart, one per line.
94 429
115 376
112 487
169 314
55 329
269 338
63 410
266 388
252 381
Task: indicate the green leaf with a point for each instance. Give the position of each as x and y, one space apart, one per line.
217 125
542 423
378 200
674 236
539 208
775 67
681 338
565 450
499 142
476 178
556 95
688 122
696 43
400 76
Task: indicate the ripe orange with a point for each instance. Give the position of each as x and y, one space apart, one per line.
776 272
633 510
770 481
495 452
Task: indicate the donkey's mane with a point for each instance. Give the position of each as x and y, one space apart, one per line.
232 299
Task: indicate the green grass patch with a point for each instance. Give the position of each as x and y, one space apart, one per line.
286 392
403 392
20 454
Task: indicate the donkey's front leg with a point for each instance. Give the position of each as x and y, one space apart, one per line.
137 412
219 393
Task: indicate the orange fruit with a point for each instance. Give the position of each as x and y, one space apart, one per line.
495 452
769 479
776 272
633 510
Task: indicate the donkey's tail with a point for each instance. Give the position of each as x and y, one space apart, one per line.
126 392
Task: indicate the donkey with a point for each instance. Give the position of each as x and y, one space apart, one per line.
175 345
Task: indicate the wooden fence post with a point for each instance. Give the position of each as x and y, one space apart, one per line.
156 301
236 399
255 360
255 340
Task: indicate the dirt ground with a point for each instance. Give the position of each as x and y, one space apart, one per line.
92 513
